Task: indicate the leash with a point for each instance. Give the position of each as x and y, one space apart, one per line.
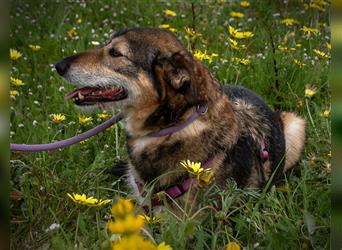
70 141
200 110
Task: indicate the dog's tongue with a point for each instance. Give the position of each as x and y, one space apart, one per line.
83 91
94 92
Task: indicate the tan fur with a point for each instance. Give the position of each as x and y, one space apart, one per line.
294 131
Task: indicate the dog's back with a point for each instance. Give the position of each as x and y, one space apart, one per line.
287 131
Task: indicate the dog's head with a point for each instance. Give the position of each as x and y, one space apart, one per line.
139 65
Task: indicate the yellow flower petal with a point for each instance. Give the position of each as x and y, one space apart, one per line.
128 224
56 118
321 54
236 14
310 91
14 93
16 82
169 12
243 61
133 242
245 4
15 54
289 21
309 31
163 246
35 47
72 32
84 119
233 246
89 201
122 208
239 34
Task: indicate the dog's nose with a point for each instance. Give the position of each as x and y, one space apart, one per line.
62 66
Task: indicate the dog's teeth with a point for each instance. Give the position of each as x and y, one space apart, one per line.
80 96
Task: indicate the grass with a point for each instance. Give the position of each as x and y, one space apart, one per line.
294 215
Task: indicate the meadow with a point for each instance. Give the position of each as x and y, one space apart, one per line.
279 49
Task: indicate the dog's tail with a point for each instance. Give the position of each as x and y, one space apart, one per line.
294 132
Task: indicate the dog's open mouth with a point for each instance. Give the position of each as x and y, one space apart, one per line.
94 95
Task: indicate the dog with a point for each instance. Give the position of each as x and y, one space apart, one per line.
176 110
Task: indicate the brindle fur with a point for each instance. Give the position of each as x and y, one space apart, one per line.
165 84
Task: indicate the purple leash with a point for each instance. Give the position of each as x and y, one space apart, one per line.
67 142
200 110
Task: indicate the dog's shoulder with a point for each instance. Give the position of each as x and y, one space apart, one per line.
240 93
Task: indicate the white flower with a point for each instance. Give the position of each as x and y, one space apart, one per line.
52 227
95 43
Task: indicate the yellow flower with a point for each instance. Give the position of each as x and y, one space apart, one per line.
205 178
84 119
234 45
89 201
239 34
133 242
321 54
103 116
16 82
164 26
299 63
56 118
193 168
191 33
128 224
285 49
233 246
169 13
122 208
308 31
172 29
328 45
236 14
15 54
14 93
314 6
167 27
163 246
326 113
79 21
289 21
150 219
35 47
72 32
245 4
243 61
310 91
298 45
199 55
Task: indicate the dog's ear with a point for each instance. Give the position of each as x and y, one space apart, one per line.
173 73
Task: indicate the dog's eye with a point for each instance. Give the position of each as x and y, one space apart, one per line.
114 53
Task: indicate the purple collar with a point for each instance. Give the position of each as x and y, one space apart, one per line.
177 190
200 110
